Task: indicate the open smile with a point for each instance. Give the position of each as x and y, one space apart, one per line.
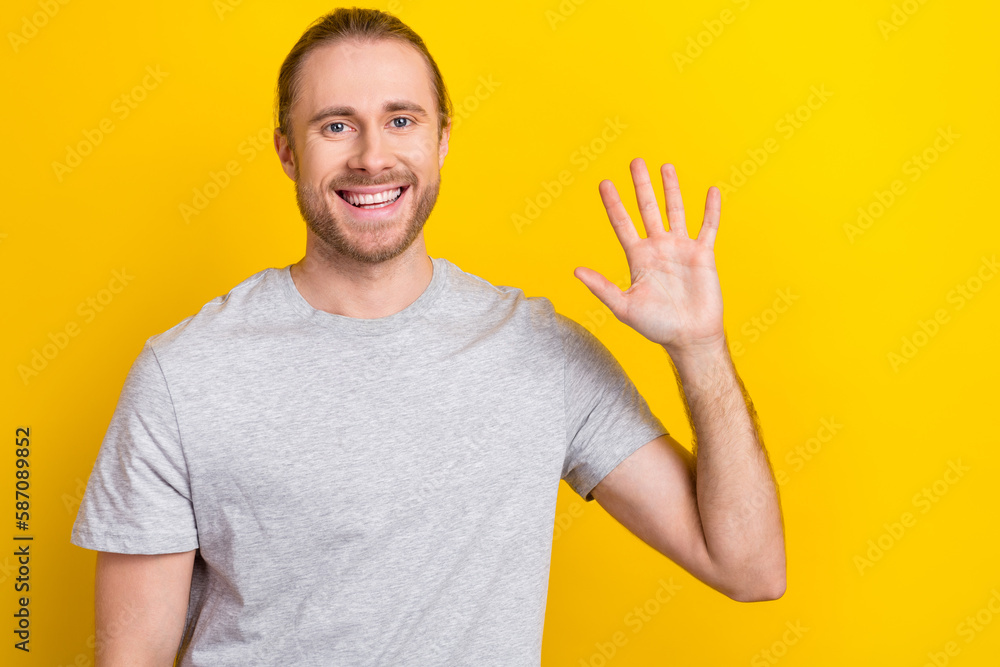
371 199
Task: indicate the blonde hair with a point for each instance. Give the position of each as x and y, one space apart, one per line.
365 25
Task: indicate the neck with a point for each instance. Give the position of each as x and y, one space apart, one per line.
343 286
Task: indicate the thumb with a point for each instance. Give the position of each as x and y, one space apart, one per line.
602 288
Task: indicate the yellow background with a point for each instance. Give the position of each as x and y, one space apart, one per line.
559 72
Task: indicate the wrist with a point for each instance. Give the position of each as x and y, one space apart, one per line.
701 362
709 350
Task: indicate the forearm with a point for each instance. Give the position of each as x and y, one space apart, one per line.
736 493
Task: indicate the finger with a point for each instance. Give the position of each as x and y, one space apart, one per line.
675 205
713 212
622 224
649 208
602 288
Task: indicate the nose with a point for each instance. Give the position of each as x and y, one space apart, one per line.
372 153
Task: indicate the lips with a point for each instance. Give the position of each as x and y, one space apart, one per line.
371 198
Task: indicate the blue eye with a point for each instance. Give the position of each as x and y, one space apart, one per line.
401 122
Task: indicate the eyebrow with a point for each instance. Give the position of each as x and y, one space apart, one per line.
389 107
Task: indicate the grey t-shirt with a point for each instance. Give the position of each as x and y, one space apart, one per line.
361 491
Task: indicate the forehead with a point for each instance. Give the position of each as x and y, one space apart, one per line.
364 75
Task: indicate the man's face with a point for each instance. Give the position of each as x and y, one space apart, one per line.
365 128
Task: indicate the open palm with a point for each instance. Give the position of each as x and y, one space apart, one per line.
675 298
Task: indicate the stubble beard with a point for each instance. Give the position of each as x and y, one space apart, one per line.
330 229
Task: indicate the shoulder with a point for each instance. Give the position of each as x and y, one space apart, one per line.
535 317
475 293
218 318
503 305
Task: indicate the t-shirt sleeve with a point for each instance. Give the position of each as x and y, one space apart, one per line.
138 497
606 417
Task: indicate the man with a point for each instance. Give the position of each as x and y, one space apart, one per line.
355 459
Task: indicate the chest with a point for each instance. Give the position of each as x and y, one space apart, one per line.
361 440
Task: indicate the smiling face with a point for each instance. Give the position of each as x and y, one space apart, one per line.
368 154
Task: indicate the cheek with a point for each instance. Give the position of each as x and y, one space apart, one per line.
421 158
321 160
420 152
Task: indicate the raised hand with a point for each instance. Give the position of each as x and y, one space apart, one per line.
675 298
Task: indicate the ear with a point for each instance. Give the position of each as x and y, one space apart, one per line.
285 154
443 144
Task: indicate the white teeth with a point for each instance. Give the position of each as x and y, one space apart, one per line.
384 197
